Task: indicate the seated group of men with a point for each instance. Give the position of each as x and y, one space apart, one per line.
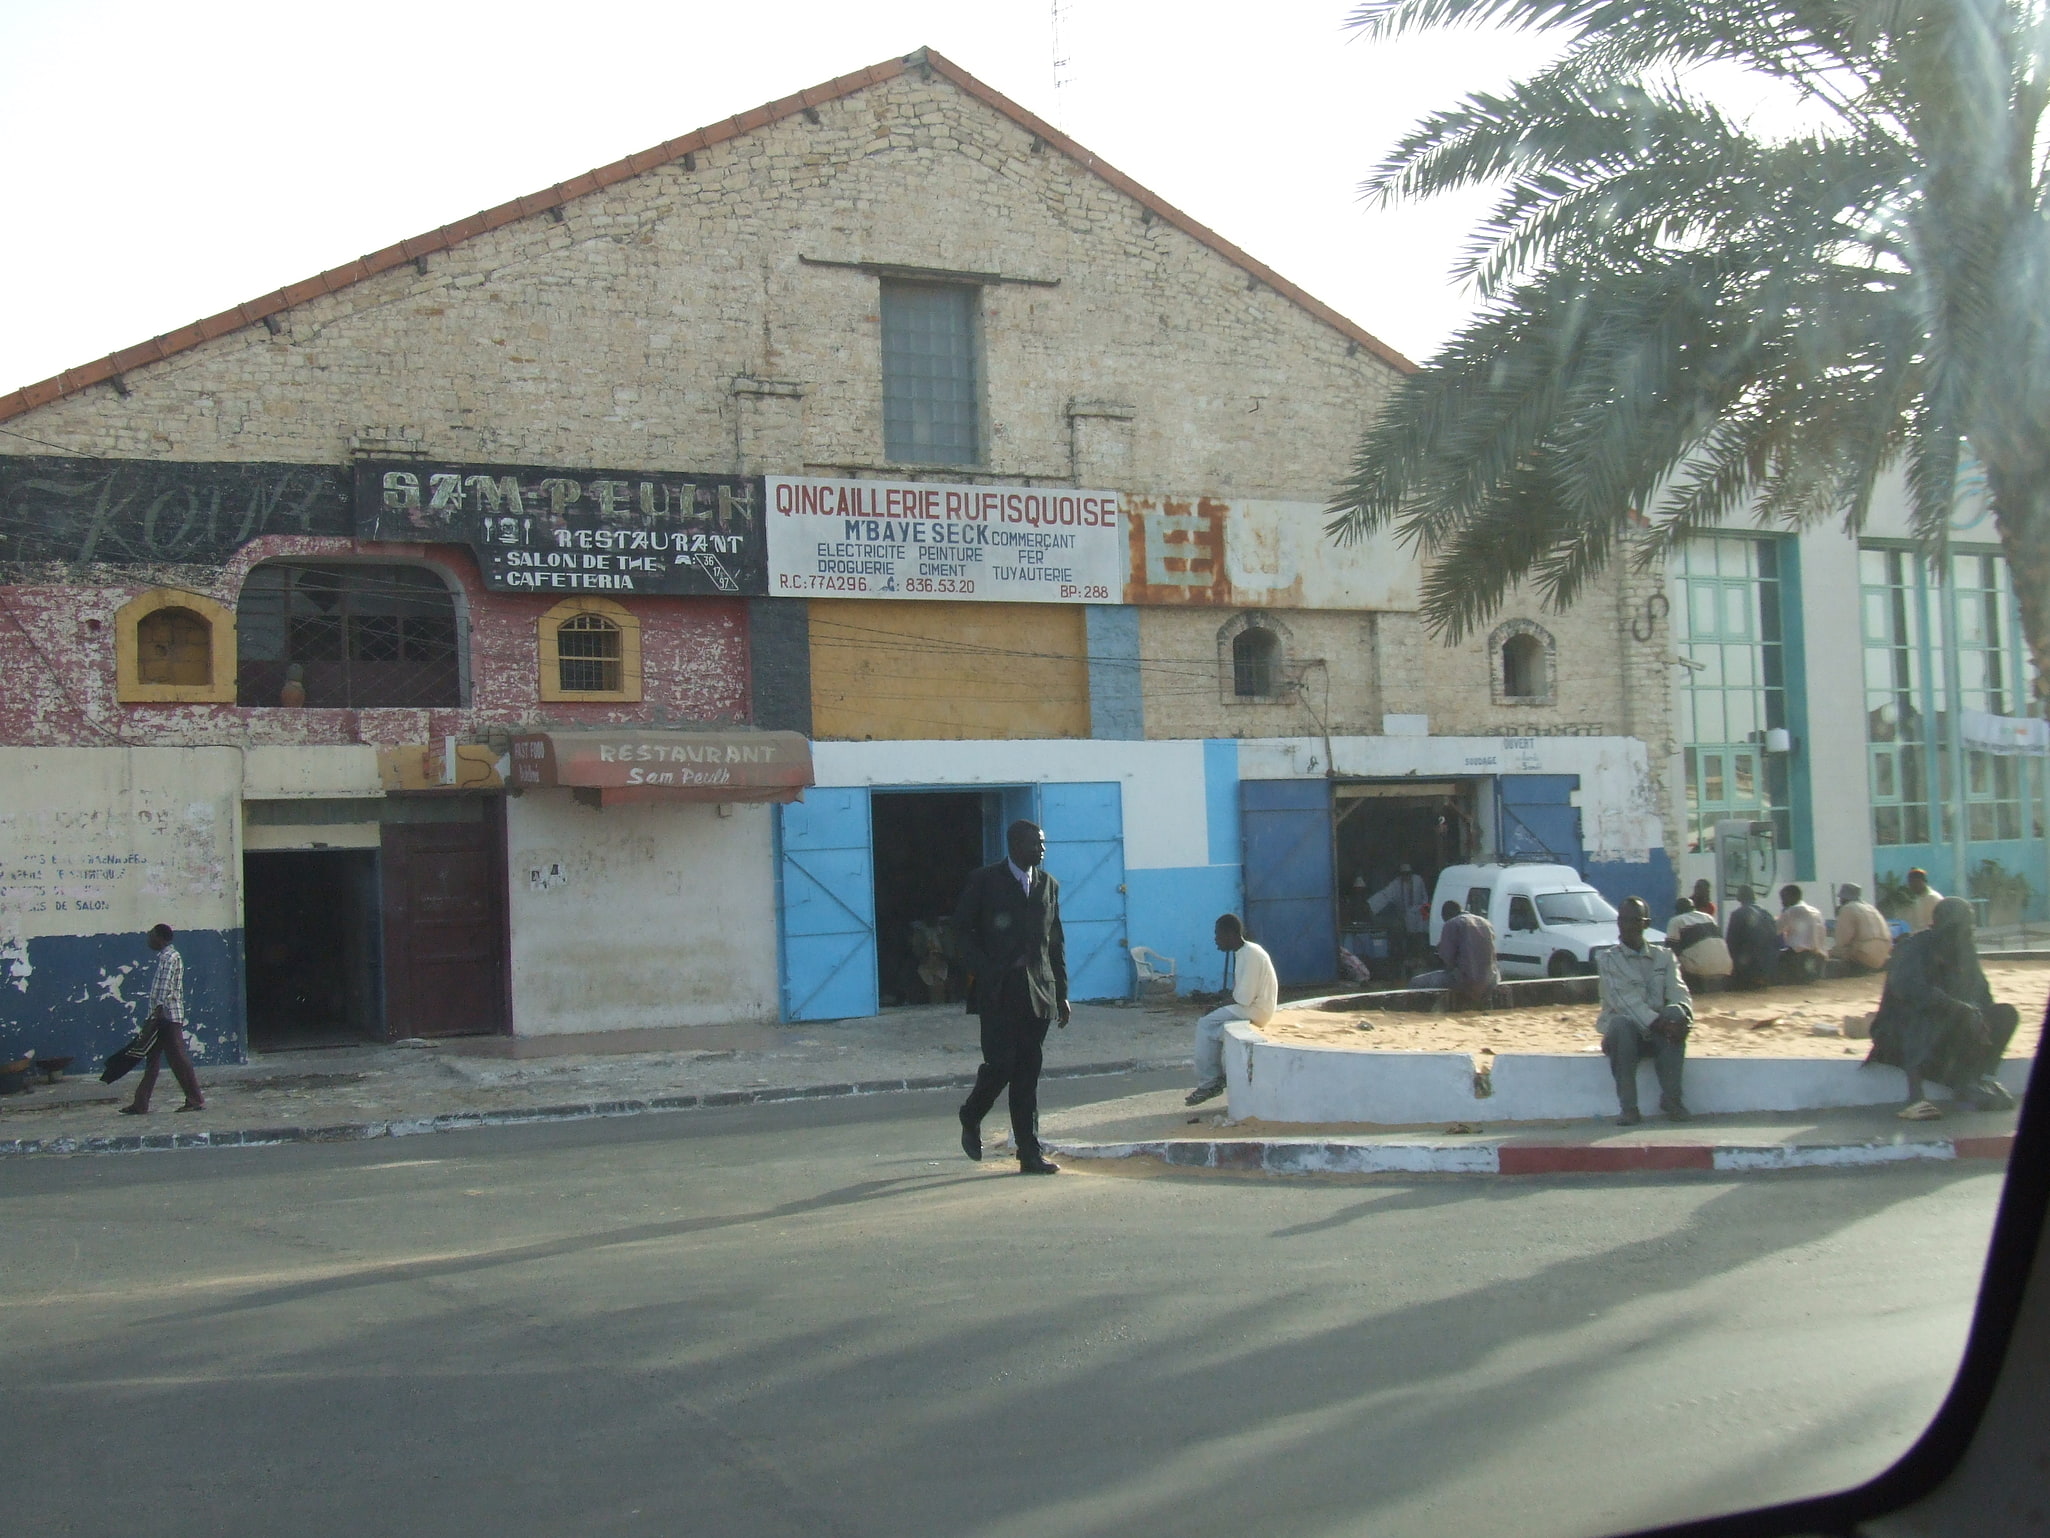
1937 1017
1755 950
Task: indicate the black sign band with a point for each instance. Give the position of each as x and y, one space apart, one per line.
538 530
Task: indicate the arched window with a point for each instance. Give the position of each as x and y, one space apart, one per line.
1522 658
174 646
590 650
1523 667
347 636
1255 663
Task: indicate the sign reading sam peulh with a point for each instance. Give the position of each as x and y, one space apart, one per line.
636 765
575 531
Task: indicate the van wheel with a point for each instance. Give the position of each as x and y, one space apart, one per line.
1562 964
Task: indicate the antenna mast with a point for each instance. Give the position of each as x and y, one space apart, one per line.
1060 68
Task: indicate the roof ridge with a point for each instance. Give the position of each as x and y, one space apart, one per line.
416 248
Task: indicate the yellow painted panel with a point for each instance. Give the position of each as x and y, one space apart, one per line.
894 671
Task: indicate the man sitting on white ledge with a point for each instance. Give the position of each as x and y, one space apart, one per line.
1249 979
1646 1011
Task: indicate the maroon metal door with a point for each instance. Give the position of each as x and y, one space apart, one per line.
444 929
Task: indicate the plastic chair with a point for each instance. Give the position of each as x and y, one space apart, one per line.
1156 972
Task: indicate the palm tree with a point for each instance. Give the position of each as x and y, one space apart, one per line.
1685 314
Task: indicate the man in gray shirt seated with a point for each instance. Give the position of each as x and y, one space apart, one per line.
1646 1011
1467 946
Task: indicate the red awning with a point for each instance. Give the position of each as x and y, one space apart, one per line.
626 766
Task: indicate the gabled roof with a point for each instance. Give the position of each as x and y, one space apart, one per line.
255 311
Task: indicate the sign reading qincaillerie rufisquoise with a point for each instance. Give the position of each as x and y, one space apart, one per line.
903 539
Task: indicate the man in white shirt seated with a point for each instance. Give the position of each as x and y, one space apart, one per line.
1803 937
1864 940
1922 901
1249 978
1695 938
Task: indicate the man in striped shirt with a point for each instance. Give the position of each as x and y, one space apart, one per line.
164 1013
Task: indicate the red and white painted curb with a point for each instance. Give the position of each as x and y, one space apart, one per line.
1316 1156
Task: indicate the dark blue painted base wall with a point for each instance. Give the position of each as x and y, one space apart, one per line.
1651 880
80 1003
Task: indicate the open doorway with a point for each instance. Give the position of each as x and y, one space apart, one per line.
310 934
926 842
1378 829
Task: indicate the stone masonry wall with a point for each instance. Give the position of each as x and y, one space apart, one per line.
683 319
640 330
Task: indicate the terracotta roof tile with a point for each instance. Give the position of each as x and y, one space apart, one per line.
253 312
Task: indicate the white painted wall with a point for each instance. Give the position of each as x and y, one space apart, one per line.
1839 787
1620 812
640 916
309 770
1289 1083
1166 816
97 841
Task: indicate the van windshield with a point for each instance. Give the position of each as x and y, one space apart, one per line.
1582 907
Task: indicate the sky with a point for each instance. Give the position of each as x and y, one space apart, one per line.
167 161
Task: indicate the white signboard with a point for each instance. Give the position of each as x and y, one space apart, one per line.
903 539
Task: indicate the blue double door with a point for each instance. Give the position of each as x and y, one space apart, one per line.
827 899
1286 829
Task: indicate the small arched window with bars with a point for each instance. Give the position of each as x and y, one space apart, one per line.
590 652
588 655
1255 663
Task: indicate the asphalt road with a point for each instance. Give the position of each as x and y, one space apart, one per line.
819 1319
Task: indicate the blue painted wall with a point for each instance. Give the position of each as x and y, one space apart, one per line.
1221 798
79 1002
1175 911
1117 703
1650 879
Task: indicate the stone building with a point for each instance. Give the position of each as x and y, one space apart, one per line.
882 442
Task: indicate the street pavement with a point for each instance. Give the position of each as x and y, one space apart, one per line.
364 1085
817 1318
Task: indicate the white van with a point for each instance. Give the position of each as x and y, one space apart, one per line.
1548 922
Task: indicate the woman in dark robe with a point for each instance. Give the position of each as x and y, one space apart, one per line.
1937 1019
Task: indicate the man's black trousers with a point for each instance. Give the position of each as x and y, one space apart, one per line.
1012 1041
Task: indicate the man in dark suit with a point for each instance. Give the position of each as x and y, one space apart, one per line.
1008 931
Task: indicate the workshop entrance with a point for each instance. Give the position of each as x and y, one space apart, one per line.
926 842
1380 826
311 939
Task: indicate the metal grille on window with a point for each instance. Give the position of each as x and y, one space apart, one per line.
931 389
1253 656
346 636
174 646
588 655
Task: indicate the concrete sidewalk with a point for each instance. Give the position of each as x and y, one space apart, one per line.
377 1091
1157 1125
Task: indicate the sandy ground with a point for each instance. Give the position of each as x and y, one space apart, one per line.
1778 1022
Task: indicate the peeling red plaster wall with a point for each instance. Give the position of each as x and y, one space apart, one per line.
59 670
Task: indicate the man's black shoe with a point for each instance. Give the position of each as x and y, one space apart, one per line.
1630 1118
1038 1166
971 1138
